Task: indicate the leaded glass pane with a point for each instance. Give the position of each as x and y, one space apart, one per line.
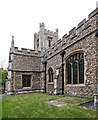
81 71
69 73
75 73
26 80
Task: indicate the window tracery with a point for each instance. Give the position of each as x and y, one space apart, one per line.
75 69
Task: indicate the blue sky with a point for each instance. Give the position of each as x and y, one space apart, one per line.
21 18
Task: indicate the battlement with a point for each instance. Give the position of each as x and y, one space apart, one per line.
82 29
48 32
25 51
93 13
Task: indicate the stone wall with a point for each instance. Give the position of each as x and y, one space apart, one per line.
54 63
25 60
80 38
87 44
35 82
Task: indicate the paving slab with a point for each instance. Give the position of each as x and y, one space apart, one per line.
89 104
57 103
74 98
0 96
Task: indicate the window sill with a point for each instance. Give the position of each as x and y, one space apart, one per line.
75 85
50 82
26 88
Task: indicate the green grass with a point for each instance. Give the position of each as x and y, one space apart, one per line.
0 109
34 106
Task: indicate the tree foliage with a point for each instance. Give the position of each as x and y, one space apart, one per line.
3 74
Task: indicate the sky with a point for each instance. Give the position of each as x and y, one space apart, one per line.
21 18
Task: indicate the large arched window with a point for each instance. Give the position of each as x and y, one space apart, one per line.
50 73
75 69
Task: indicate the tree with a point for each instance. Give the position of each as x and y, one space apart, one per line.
3 75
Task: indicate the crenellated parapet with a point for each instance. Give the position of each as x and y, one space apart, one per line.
24 51
84 28
50 33
44 38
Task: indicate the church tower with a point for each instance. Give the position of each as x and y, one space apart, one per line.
45 38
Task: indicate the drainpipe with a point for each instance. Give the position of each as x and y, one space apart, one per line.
45 63
62 55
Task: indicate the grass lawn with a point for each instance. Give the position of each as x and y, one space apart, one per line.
0 109
34 106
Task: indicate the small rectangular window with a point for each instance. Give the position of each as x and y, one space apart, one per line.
26 80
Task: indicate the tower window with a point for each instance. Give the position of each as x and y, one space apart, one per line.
49 41
37 43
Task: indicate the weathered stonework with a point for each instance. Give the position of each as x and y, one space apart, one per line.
47 48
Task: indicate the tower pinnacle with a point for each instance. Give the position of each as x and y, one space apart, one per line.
12 43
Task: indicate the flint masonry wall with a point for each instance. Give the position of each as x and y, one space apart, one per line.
25 62
29 62
79 38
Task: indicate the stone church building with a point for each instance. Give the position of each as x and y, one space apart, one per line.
57 66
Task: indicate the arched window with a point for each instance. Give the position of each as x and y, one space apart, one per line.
75 69
50 73
49 41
